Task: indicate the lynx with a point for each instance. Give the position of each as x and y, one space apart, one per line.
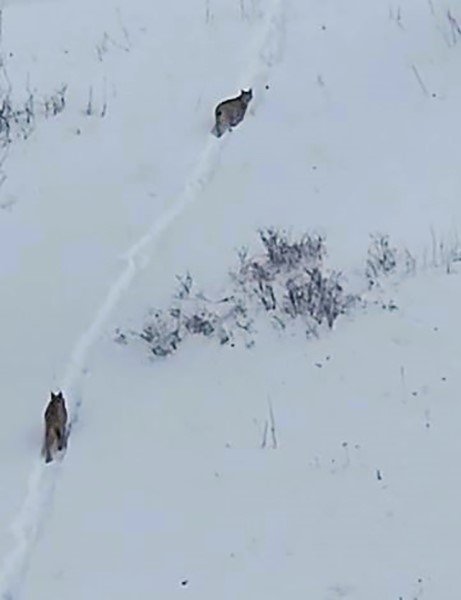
55 426
230 113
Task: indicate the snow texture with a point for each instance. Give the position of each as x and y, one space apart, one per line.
320 466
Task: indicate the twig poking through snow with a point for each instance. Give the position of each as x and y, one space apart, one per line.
266 428
419 80
104 102
347 458
404 385
272 422
396 17
434 248
242 10
89 106
125 32
455 29
207 11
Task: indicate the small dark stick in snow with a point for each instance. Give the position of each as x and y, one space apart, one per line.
264 441
89 106
420 80
273 434
427 414
379 477
346 451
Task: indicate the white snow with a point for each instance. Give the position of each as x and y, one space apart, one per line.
165 490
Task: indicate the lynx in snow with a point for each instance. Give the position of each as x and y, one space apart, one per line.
55 426
230 113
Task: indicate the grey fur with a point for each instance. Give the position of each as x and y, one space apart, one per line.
230 113
55 426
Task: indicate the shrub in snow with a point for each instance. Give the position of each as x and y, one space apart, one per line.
17 119
287 282
316 295
284 254
56 103
381 259
162 332
290 280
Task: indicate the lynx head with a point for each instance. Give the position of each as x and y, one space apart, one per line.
58 398
246 95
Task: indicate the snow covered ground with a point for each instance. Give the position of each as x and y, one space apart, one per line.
165 489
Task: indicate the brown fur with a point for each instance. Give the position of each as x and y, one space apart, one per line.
230 113
55 426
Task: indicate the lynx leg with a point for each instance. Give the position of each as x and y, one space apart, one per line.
49 441
58 435
43 452
47 451
219 123
62 439
217 130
